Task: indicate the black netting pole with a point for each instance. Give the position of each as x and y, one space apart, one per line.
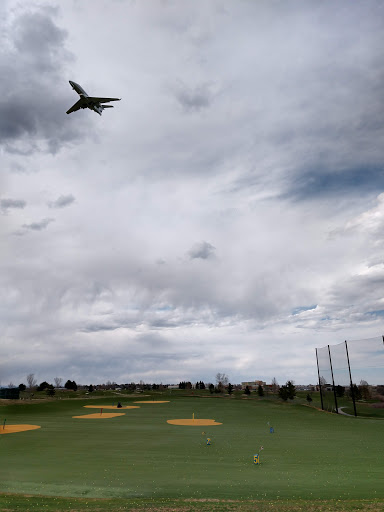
318 372
333 380
350 379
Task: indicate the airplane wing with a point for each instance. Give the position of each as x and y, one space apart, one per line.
77 106
102 100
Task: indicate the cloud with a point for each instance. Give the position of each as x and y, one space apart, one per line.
202 250
62 201
194 98
370 221
6 204
38 226
33 59
256 128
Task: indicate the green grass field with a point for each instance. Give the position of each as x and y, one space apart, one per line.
141 462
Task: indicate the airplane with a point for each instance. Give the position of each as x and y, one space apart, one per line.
91 102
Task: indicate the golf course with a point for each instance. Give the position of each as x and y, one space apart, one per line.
153 453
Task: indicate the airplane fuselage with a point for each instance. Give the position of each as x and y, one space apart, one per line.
91 102
87 104
78 88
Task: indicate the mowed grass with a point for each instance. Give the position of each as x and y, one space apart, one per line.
311 456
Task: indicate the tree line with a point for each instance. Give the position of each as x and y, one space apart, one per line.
285 392
45 386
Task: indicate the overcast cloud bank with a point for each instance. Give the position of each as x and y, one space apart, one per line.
226 215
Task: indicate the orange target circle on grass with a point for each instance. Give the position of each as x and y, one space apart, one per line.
12 429
97 416
193 422
112 407
151 401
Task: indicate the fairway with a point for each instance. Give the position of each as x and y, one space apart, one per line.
311 455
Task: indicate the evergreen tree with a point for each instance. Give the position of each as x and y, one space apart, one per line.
71 385
230 389
283 392
260 390
309 399
356 392
211 388
291 390
247 391
42 386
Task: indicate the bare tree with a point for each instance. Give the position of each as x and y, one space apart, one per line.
221 382
221 378
274 385
364 390
58 382
31 380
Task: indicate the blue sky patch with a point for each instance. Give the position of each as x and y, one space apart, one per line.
300 309
317 182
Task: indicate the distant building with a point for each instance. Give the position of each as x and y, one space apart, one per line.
307 387
253 385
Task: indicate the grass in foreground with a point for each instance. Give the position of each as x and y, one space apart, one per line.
138 461
14 503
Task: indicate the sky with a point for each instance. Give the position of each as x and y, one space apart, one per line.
226 216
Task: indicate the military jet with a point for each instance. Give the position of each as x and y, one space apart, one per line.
92 102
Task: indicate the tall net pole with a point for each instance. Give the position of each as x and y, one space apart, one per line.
318 372
333 380
350 379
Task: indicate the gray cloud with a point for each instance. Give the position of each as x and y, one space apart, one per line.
202 250
194 98
270 146
34 99
62 201
38 226
6 204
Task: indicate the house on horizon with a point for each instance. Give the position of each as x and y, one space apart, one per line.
253 385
